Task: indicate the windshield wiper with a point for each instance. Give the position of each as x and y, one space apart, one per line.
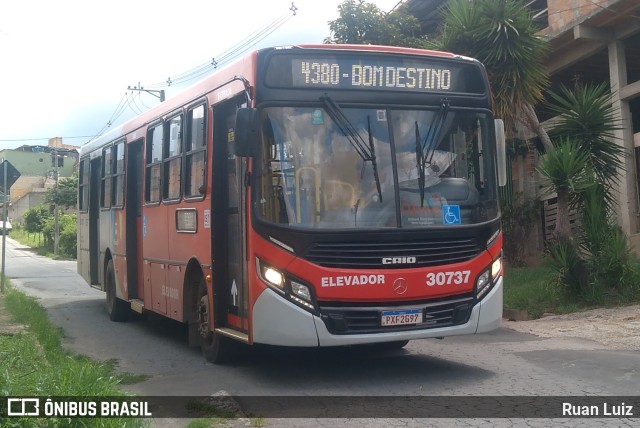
433 134
367 153
419 161
374 164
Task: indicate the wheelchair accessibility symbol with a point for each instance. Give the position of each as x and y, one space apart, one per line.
451 214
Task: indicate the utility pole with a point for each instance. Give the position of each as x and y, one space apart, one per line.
4 222
56 228
156 93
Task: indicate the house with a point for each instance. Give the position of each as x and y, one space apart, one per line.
38 167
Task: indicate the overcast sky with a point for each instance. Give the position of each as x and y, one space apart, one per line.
65 65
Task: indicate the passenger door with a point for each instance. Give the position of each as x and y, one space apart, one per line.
229 235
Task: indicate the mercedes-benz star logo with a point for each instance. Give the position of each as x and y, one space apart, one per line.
400 286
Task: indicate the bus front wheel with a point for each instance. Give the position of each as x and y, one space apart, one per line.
216 349
116 308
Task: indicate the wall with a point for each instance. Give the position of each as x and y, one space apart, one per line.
24 185
37 164
564 13
19 206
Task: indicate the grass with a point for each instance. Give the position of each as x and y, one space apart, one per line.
221 423
207 423
127 378
535 290
33 240
33 363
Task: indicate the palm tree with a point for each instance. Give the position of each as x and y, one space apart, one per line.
501 34
582 169
564 170
587 115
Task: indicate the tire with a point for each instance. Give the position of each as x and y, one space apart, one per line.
117 309
216 349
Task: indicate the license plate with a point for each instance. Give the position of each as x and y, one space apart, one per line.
402 317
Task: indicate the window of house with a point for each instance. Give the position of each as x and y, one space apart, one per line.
153 178
173 160
118 175
195 147
57 158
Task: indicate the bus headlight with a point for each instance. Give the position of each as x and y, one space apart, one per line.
293 289
488 278
301 294
482 284
274 277
496 268
301 290
270 275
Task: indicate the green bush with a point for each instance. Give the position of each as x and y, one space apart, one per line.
69 236
35 218
67 242
598 266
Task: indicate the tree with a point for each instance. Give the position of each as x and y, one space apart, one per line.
588 115
582 169
501 34
65 193
364 23
565 171
35 219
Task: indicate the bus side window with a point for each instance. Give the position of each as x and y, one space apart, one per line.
83 194
118 175
195 148
153 165
107 171
172 160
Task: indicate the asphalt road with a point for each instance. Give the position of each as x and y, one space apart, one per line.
502 363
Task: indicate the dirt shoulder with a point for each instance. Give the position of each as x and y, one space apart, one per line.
616 328
7 326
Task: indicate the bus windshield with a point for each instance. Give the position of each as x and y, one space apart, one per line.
333 167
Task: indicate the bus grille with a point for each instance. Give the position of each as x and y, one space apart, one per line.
370 255
359 320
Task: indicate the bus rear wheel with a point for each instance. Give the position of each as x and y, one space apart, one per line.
216 348
116 308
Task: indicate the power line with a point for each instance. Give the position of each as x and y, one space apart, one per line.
137 109
11 140
231 53
202 69
114 116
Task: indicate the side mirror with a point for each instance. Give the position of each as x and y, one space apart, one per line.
501 152
246 132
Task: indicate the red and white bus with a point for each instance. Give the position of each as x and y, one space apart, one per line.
316 195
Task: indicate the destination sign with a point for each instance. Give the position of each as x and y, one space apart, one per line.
374 72
366 75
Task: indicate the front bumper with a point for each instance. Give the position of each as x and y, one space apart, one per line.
277 321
